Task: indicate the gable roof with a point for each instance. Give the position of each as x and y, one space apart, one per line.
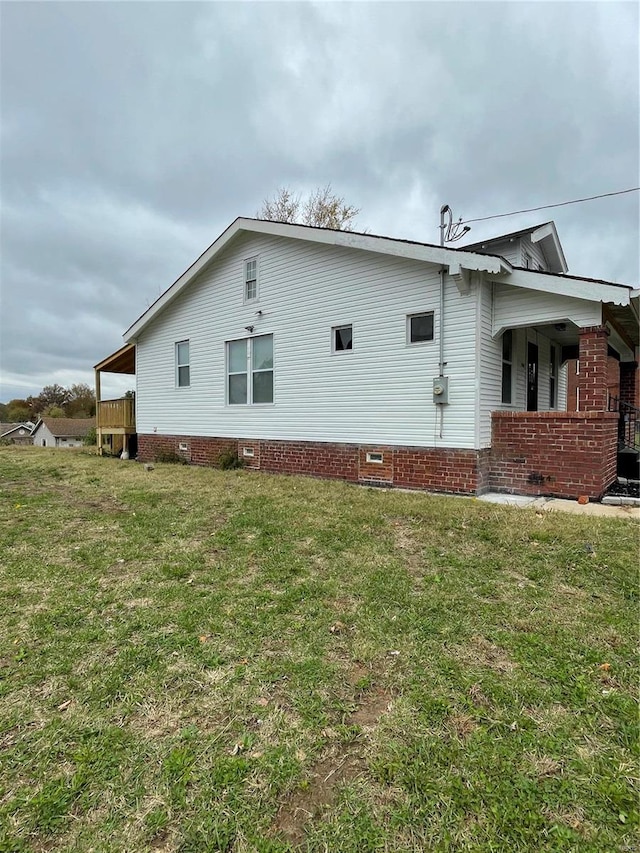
5 429
456 260
66 427
545 234
410 249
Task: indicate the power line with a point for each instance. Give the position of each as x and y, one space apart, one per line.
547 206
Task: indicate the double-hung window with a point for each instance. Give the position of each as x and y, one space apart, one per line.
507 367
250 370
183 379
251 280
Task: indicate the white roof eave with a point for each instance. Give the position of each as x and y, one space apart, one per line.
565 285
453 259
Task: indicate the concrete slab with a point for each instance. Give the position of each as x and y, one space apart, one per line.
560 505
628 512
510 500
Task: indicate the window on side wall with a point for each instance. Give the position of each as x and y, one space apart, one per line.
553 378
507 367
251 280
250 371
342 338
183 378
420 328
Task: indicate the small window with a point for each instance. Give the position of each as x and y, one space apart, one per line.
248 451
507 367
376 458
342 338
183 379
183 446
251 280
420 328
553 378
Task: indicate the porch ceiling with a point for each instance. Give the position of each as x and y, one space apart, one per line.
121 361
626 318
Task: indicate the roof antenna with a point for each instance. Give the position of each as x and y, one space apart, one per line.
451 231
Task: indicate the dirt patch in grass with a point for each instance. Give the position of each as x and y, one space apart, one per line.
482 652
573 818
461 725
327 776
406 543
370 709
542 766
308 803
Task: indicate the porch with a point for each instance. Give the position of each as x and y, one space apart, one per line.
116 419
541 449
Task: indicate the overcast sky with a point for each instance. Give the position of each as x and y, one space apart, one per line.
134 133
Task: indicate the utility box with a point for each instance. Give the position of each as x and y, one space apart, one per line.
441 390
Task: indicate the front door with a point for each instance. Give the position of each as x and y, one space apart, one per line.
532 377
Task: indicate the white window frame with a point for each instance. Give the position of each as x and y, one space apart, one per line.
255 290
554 372
334 331
375 457
180 364
511 363
249 372
410 317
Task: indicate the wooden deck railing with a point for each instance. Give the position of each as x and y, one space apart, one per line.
117 414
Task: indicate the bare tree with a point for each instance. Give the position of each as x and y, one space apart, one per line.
322 209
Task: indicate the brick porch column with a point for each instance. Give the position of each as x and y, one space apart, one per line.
592 379
629 382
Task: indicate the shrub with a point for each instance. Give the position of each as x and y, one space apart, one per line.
90 438
228 460
170 456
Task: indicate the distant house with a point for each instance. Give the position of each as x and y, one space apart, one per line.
61 432
16 433
385 361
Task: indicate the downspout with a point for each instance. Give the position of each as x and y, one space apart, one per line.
443 210
441 338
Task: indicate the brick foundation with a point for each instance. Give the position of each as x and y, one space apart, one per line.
436 469
564 454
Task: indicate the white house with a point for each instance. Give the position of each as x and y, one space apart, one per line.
381 360
61 432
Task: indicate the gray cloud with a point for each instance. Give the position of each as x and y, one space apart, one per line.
134 133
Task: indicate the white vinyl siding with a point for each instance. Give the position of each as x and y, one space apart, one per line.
490 353
381 392
533 250
513 305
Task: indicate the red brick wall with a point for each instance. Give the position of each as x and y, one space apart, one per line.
630 383
592 379
436 469
613 380
565 454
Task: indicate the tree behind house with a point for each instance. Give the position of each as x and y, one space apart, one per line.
322 209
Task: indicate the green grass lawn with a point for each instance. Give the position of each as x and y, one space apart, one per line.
194 660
